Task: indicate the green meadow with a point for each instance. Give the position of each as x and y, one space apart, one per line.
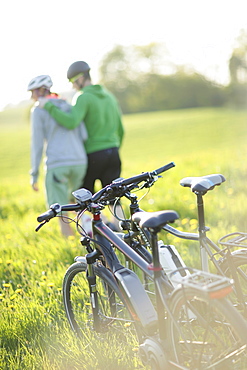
34 333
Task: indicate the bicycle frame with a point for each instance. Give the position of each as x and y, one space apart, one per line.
102 232
206 247
129 283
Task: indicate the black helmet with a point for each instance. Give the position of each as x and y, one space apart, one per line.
77 69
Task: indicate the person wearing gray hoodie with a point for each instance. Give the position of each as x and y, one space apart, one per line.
65 156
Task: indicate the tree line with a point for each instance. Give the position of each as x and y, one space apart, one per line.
143 79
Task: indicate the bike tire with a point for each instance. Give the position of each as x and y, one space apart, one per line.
113 314
239 259
206 333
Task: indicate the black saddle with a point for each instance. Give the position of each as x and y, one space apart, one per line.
154 219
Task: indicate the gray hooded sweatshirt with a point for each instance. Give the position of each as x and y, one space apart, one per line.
62 147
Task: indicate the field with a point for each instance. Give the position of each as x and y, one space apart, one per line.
34 333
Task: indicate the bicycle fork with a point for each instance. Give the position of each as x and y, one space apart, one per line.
91 278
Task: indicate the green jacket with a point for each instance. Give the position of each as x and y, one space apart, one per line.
99 109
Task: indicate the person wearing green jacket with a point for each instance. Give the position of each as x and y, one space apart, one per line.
101 114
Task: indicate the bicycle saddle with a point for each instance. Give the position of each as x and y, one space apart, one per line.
204 183
154 219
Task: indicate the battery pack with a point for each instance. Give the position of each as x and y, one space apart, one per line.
171 260
137 298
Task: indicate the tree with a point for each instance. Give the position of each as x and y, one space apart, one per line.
124 69
144 79
130 63
238 60
237 89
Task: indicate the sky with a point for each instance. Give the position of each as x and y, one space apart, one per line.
46 37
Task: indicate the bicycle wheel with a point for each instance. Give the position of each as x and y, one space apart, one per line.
239 260
206 333
112 314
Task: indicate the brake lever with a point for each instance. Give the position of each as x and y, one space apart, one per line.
151 181
132 187
148 184
41 225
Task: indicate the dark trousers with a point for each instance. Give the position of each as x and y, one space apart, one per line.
104 165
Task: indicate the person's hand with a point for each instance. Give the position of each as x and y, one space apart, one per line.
42 101
35 186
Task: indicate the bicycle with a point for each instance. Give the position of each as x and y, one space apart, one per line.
232 264
229 263
191 327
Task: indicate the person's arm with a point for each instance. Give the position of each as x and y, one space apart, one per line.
83 132
37 143
120 131
71 119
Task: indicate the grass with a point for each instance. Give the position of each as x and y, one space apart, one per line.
34 333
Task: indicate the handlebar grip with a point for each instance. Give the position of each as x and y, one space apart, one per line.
56 208
135 179
52 212
46 216
145 175
164 168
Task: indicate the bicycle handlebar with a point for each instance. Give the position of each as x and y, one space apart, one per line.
114 190
134 180
146 175
55 209
46 215
164 168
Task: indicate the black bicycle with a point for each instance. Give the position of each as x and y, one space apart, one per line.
191 327
230 260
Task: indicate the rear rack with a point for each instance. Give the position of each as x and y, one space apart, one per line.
213 286
236 239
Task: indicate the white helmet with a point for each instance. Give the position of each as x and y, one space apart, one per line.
40 81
